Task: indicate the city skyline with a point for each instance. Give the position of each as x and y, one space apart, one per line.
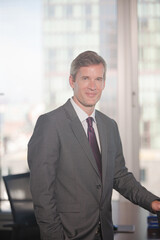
38 40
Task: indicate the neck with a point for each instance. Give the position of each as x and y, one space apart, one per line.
89 109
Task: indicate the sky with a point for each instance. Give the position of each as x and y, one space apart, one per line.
21 50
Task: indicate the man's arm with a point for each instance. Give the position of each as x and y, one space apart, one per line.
126 184
43 155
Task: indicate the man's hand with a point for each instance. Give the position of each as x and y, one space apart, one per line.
155 205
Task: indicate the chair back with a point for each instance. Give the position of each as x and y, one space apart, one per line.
158 216
19 195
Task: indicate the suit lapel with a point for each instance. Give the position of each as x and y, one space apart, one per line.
79 133
103 142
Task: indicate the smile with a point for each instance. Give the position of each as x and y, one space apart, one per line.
91 94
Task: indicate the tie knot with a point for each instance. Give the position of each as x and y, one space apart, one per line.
89 121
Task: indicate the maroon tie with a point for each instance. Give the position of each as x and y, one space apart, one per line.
94 145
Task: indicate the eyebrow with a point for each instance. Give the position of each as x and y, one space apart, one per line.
84 76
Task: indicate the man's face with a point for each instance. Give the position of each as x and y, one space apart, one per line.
88 86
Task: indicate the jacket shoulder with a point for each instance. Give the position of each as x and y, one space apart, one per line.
105 118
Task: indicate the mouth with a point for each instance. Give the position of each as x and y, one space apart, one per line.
91 95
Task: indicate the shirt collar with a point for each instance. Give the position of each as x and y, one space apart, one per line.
82 114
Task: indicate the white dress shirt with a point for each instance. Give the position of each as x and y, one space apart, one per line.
82 117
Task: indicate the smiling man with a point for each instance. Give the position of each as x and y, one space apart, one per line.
75 158
88 85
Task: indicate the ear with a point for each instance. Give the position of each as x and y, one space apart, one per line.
71 81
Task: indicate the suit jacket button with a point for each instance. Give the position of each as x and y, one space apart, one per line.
98 186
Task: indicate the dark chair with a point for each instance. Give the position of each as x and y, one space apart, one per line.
24 223
158 217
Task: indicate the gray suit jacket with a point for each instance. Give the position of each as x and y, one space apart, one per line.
69 197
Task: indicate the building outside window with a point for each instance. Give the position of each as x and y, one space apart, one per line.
149 91
39 39
34 82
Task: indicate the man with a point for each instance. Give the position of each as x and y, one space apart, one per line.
72 180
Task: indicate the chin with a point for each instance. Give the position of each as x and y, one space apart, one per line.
90 104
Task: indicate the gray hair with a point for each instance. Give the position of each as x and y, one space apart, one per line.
86 58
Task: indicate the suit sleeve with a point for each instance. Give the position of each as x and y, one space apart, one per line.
125 182
43 156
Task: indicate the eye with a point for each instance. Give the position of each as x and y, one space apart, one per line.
85 78
99 79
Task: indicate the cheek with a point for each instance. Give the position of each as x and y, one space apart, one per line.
80 89
77 91
99 86
100 90
75 87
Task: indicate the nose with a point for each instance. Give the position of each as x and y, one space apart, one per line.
92 85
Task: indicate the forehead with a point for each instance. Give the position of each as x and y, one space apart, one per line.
96 69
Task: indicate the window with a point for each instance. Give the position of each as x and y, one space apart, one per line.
149 91
36 53
21 85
